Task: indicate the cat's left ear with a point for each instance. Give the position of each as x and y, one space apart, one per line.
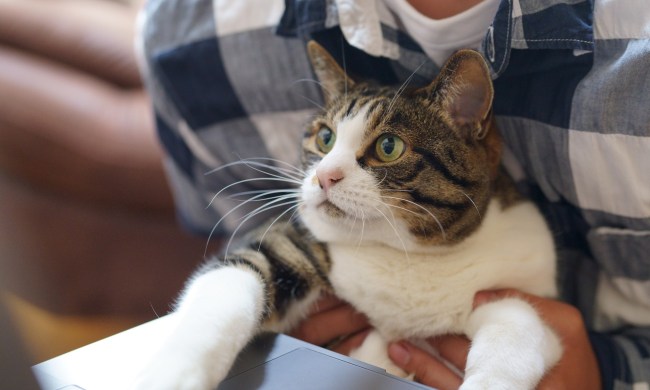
463 89
332 78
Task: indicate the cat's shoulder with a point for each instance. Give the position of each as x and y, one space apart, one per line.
505 190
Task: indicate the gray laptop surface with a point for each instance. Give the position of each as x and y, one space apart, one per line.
270 362
281 362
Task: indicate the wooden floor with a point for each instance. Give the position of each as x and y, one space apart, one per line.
47 335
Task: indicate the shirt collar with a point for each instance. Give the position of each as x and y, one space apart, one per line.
518 24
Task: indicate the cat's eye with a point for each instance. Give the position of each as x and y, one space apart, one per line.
325 139
389 148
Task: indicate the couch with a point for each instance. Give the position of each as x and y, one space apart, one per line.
87 223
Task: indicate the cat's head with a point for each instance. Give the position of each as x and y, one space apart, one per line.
409 168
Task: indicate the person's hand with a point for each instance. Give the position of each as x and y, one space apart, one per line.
577 369
333 324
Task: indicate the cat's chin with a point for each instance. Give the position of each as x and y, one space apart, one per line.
328 223
348 230
332 211
331 224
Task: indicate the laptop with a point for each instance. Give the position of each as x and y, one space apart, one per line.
270 362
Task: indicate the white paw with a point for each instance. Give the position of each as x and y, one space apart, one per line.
173 373
488 382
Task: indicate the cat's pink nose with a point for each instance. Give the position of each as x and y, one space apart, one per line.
328 177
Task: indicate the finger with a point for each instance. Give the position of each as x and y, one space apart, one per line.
351 343
453 348
483 297
326 302
427 369
323 327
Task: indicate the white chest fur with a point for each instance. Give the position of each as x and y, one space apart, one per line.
424 294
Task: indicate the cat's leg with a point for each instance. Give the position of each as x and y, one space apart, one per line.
374 350
267 282
511 346
217 315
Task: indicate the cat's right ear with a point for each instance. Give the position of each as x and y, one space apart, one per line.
332 78
463 90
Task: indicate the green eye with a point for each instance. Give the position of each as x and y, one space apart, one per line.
389 148
325 140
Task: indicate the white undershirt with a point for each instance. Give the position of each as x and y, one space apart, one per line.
439 38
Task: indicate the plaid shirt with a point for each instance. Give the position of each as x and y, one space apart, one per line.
230 80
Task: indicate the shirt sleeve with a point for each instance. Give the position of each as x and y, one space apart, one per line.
623 358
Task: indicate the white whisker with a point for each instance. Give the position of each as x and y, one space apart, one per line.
270 205
266 192
345 67
276 171
353 224
252 214
442 229
306 80
246 181
315 82
384 178
275 160
312 101
292 173
475 206
363 227
401 89
294 207
396 233
421 216
295 211
281 172
214 228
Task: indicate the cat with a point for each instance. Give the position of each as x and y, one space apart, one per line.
405 212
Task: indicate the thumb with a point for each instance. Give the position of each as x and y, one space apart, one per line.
427 369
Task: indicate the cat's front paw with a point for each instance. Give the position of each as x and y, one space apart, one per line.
488 382
169 373
494 381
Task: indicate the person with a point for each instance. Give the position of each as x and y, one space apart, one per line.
231 81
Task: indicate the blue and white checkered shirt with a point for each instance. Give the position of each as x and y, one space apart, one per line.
230 80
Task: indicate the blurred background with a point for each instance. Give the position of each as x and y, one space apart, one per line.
89 244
